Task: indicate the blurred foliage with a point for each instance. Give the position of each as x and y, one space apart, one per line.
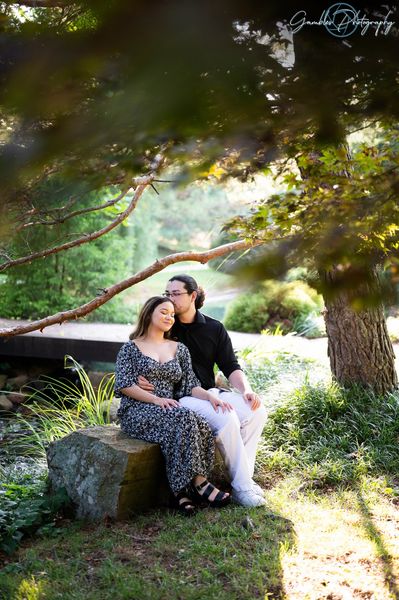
94 90
100 86
343 214
189 217
286 305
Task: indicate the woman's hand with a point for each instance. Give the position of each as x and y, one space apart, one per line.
216 403
165 403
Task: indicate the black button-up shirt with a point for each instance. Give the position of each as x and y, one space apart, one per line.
208 343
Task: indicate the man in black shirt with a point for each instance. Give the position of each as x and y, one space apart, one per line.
236 418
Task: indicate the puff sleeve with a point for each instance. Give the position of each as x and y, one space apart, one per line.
126 373
189 380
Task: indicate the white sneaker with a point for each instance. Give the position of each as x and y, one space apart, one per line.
248 498
258 490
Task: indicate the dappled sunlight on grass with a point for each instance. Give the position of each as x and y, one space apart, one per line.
341 548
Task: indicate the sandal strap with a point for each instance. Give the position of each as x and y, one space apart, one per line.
207 491
203 484
183 499
220 496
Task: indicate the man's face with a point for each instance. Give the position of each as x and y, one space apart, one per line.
180 297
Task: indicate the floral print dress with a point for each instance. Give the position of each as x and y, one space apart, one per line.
185 438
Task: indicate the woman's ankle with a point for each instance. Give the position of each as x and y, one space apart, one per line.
198 479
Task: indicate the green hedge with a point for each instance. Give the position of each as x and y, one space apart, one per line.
286 305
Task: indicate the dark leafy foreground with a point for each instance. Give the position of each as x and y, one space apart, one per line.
26 508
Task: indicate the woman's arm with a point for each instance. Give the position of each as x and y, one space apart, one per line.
137 393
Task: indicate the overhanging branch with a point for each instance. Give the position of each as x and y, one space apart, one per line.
71 215
158 265
142 182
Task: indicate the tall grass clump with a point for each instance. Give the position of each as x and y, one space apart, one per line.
61 407
333 435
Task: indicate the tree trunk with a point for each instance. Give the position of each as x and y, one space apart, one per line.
359 347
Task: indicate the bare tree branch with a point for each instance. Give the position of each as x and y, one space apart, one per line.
73 214
142 182
107 294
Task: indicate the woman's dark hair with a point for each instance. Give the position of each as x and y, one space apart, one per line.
191 286
144 318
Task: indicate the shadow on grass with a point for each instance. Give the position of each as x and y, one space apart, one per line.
375 535
224 554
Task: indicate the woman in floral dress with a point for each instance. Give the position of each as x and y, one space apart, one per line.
185 438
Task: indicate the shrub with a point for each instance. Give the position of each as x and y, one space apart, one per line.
274 303
26 508
333 434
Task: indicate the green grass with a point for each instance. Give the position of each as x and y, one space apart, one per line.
159 555
62 407
332 435
303 546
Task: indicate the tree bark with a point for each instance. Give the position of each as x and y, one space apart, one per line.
359 346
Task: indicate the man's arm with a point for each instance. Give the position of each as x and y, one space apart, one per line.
228 363
239 380
144 384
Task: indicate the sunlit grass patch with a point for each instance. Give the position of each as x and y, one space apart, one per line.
346 541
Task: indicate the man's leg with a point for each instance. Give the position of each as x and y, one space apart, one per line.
252 423
227 429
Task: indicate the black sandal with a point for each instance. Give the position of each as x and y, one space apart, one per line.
221 499
183 504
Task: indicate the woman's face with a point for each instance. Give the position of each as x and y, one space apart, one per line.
163 316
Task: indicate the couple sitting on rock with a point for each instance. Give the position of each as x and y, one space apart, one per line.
168 396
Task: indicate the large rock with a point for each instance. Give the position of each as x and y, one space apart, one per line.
5 403
111 407
106 473
17 382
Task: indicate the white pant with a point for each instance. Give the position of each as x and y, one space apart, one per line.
237 433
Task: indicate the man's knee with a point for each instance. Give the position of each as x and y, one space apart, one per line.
261 413
228 422
256 417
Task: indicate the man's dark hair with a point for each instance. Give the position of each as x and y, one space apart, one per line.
191 286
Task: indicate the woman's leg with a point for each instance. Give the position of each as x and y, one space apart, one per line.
185 439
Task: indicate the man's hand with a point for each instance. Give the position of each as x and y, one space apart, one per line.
252 399
144 384
165 403
216 403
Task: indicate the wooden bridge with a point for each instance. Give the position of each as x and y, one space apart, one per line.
84 341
